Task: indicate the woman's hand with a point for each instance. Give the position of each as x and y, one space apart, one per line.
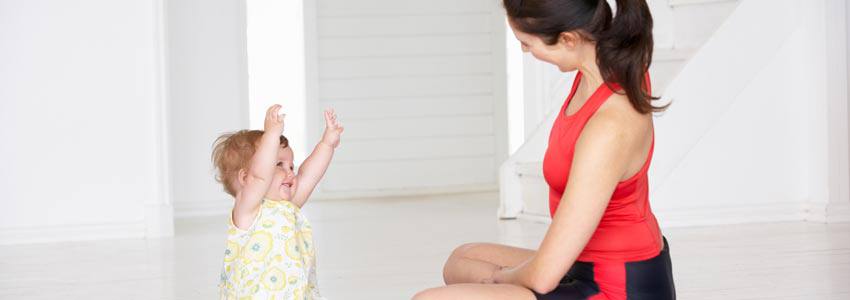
502 275
505 275
332 129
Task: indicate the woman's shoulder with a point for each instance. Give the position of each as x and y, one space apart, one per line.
617 124
618 113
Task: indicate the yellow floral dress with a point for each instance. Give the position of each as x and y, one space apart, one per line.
273 259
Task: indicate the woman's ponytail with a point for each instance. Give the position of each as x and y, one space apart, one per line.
624 51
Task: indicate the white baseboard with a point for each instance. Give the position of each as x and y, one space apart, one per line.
189 209
828 213
65 233
158 222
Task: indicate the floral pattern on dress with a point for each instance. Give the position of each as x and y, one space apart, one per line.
273 259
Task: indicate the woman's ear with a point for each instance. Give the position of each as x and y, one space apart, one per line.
569 39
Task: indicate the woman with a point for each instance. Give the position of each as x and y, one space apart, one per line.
604 241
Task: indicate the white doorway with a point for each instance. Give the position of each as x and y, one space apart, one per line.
516 99
276 66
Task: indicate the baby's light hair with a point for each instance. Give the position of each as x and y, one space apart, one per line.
232 152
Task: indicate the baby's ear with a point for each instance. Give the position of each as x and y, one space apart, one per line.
242 177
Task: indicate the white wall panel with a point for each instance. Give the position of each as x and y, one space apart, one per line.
81 114
405 128
346 68
406 25
368 8
404 46
418 173
406 107
371 88
417 148
419 87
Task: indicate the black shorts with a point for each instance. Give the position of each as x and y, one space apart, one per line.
650 279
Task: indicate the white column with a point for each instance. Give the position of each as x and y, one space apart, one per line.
159 211
830 191
276 67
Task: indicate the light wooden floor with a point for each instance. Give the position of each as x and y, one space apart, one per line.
388 249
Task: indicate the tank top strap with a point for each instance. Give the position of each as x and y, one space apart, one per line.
572 94
589 108
602 94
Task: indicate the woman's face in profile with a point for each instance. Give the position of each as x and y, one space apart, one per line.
562 54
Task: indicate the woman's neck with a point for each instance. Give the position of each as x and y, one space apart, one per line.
591 76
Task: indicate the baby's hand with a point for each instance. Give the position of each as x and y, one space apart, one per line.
274 121
332 129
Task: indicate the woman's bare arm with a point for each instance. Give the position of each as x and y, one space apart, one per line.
601 158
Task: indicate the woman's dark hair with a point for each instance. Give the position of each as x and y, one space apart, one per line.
623 42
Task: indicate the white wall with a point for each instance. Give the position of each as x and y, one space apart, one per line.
751 163
750 135
420 88
81 114
208 96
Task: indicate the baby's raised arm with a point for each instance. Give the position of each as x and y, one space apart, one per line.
257 179
314 167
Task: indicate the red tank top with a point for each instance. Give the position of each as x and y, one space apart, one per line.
628 230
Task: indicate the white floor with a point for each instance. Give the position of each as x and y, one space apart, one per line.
390 248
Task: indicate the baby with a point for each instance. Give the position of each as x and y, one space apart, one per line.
270 253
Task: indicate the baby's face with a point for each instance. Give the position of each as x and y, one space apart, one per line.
284 181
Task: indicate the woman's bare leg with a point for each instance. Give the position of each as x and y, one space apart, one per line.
472 263
468 291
